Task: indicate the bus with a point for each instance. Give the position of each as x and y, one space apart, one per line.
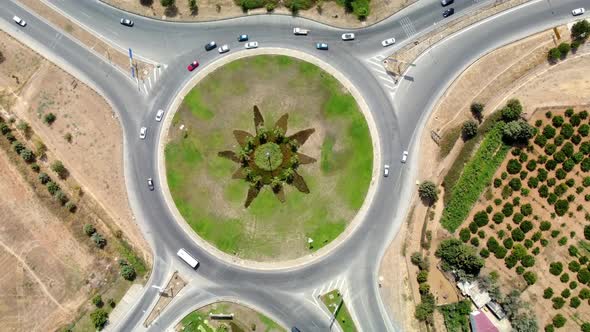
187 258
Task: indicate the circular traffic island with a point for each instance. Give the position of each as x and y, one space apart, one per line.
268 158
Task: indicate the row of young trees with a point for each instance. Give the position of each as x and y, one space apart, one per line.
579 33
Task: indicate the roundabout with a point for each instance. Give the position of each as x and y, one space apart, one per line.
268 158
286 292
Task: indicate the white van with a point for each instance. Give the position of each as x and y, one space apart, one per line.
187 258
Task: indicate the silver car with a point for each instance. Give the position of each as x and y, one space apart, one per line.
19 21
159 115
223 49
348 36
386 171
388 42
405 157
250 45
142 132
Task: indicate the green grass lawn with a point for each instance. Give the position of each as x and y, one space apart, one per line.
245 319
213 203
333 301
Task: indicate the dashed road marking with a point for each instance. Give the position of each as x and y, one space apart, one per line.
407 26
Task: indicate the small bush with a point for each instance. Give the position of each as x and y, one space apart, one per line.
97 301
558 302
99 240
559 320
556 268
49 118
565 293
513 166
89 229
574 266
530 278
564 278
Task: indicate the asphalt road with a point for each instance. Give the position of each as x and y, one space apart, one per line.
284 294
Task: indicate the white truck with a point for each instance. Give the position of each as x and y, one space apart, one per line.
300 32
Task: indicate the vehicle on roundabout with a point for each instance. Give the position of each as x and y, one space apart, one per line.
446 2
404 157
160 114
300 32
386 171
223 49
242 38
19 21
150 183
127 22
388 42
187 258
348 36
578 11
448 12
192 65
210 45
321 46
142 132
250 45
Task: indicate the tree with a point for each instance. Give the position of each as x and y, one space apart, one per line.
512 110
428 192
128 272
580 30
561 207
99 318
556 268
517 131
167 3
49 118
361 9
52 187
469 129
513 166
97 301
192 5
99 241
564 49
89 229
524 322
70 206
44 178
458 256
530 277
27 155
477 110
548 293
59 168
554 54
559 320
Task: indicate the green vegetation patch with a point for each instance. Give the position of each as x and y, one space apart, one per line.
335 304
245 319
476 175
204 185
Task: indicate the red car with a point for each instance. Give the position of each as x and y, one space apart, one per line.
193 65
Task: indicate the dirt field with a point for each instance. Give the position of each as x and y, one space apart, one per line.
44 273
49 272
521 70
330 13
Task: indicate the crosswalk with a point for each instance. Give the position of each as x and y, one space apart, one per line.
149 78
378 70
407 26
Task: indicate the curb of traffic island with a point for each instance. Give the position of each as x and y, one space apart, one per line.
303 260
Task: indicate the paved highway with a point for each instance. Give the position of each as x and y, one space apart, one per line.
284 294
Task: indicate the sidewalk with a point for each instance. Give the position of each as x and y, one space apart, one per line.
124 306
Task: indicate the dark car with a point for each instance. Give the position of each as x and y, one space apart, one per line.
449 12
294 329
127 22
321 46
210 46
446 2
243 38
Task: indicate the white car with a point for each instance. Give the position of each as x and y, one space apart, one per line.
578 11
19 21
388 42
386 171
348 36
300 32
142 132
159 115
250 45
404 156
223 49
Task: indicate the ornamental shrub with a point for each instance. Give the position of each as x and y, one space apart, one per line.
583 275
508 209
565 293
545 226
518 217
564 278
559 320
508 243
567 130
575 302
510 261
548 293
549 132
492 244
526 209
557 121
515 184
542 174
498 217
584 294
464 235
533 182
574 266
513 166
500 253
550 164
528 261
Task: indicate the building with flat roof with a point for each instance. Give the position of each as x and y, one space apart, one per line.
496 309
471 289
481 323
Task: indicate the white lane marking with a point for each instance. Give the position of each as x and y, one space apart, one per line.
149 82
407 26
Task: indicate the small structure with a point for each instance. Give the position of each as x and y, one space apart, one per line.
471 289
481 323
496 309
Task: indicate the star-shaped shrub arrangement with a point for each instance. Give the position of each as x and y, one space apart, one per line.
270 158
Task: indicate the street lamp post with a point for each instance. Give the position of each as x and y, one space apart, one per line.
269 163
